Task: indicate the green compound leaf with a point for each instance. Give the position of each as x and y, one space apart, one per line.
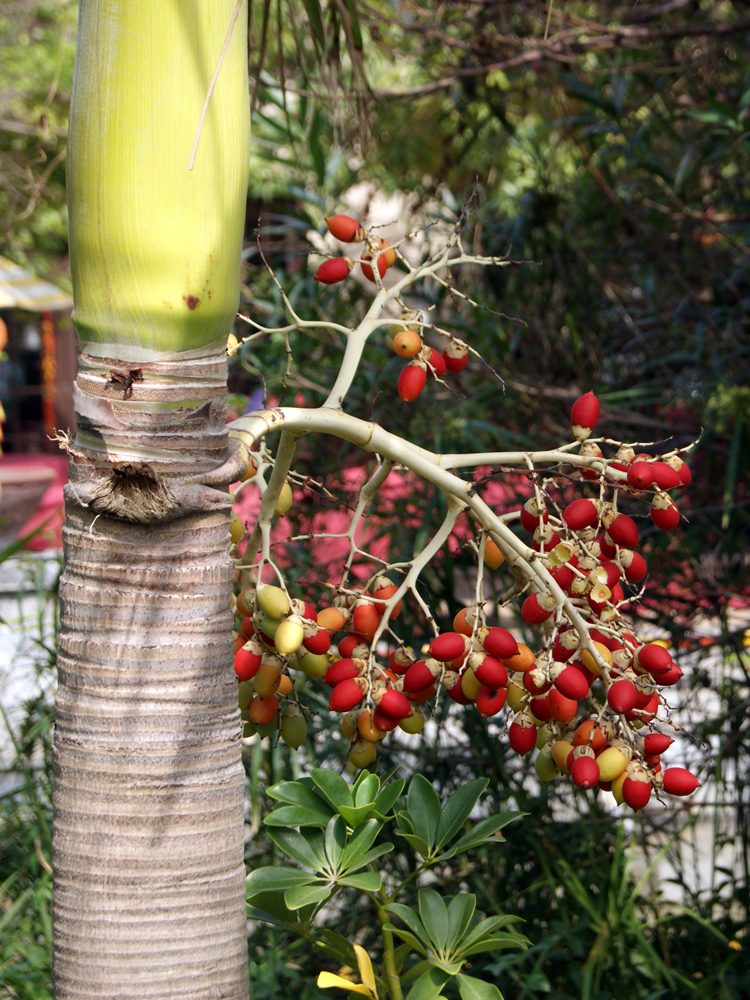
304 894
429 985
272 878
333 786
434 916
457 809
476 989
423 808
307 848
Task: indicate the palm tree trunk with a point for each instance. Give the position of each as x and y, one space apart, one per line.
148 834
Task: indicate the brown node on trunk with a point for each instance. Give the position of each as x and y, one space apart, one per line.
133 493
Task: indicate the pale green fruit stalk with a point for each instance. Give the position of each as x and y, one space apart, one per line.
148 898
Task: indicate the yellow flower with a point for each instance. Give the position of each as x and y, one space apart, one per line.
735 945
366 987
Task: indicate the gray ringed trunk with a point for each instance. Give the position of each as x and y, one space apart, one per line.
148 845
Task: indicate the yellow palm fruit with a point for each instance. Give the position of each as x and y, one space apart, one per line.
285 500
470 685
236 528
612 762
414 723
590 663
289 635
273 602
560 751
267 679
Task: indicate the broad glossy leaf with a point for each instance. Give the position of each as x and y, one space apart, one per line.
460 911
366 789
429 985
476 989
297 793
306 849
457 809
423 806
367 881
485 928
412 941
410 918
287 816
497 943
360 841
275 879
388 796
416 842
333 786
434 916
371 855
354 815
335 842
304 894
484 831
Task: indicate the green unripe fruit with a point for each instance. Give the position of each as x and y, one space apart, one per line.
273 602
268 728
314 665
545 767
248 730
244 695
413 723
268 626
293 727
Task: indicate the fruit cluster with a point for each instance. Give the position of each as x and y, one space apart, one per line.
424 361
589 699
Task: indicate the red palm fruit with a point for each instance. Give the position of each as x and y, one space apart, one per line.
580 514
448 646
663 512
500 643
536 681
412 380
565 645
545 534
435 360
585 772
686 476
247 628
583 415
334 269
657 743
647 713
607 572
365 619
383 594
589 734
386 258
456 692
318 643
640 475
399 660
342 670
624 531
590 450
572 682
618 595
606 546
384 721
522 734
419 677
531 513
394 704
247 660
345 696
622 696
679 781
540 708
672 676
491 673
563 576
665 477
537 608
653 658
490 701
348 644
345 229
562 709
636 789
634 565
651 760
456 356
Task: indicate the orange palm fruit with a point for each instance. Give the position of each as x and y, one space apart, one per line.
407 343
